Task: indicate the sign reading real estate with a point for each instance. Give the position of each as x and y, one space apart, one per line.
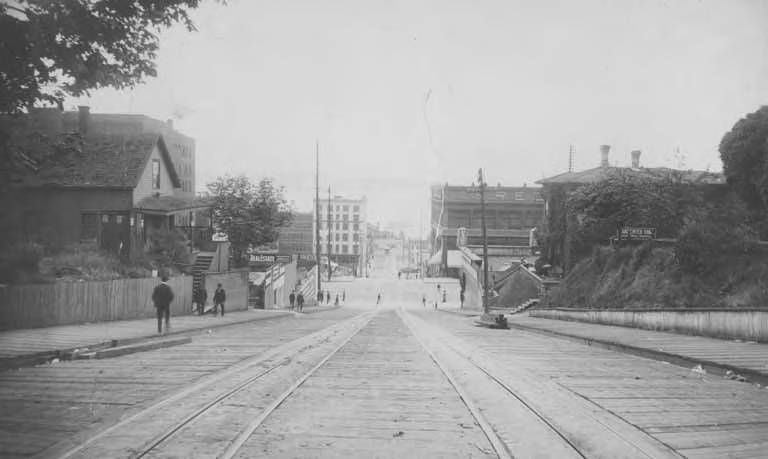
630 233
269 258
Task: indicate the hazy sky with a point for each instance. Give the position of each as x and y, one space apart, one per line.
401 94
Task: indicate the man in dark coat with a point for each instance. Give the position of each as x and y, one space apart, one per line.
219 297
292 299
200 297
300 301
162 297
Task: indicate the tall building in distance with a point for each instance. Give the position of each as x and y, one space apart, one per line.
347 225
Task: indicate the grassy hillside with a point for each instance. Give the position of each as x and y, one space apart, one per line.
649 276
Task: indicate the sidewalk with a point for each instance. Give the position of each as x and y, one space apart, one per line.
717 356
37 345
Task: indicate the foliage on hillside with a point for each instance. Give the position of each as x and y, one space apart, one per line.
652 276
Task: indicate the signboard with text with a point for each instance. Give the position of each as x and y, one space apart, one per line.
630 233
269 258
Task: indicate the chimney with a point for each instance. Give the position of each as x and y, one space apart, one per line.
604 149
169 122
83 118
635 159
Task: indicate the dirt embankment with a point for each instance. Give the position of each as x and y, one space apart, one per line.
649 276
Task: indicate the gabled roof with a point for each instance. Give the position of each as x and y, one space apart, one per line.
599 173
98 161
167 204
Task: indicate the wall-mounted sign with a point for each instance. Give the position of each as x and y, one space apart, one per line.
630 233
219 237
269 258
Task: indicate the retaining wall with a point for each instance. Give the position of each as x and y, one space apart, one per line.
745 324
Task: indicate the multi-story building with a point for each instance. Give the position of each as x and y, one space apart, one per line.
344 232
511 213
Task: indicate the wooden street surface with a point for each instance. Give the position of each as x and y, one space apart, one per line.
739 354
45 404
701 416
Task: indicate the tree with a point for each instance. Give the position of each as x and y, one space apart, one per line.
249 214
630 198
52 49
744 151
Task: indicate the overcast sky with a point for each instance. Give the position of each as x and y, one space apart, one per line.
404 93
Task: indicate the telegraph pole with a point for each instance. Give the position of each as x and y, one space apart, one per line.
329 233
317 213
485 240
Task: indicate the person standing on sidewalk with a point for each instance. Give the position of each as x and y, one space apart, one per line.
327 297
200 297
292 299
162 296
300 301
219 297
319 297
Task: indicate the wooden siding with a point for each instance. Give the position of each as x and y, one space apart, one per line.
144 187
63 303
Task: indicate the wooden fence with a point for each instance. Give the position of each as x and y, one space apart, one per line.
63 303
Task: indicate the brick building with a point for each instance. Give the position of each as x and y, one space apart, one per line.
297 238
511 213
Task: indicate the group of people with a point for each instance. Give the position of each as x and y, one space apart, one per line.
327 297
296 301
200 297
162 296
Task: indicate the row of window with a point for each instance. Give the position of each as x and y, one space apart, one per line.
342 249
186 185
341 226
344 237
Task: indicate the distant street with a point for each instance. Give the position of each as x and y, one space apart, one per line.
391 380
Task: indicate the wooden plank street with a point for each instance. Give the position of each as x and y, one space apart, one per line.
391 380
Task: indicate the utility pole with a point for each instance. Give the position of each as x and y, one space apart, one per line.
317 214
329 233
485 240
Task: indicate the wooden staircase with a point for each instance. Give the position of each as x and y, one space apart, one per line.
202 264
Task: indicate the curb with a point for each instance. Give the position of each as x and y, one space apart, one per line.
715 368
131 348
38 358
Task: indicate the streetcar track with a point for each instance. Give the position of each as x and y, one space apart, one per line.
499 445
314 339
243 435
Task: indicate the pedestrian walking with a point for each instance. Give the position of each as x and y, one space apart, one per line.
344 296
162 296
424 300
336 303
219 297
300 301
445 295
319 297
199 298
292 299
378 299
327 297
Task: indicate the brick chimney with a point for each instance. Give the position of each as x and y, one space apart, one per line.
604 150
83 118
635 159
